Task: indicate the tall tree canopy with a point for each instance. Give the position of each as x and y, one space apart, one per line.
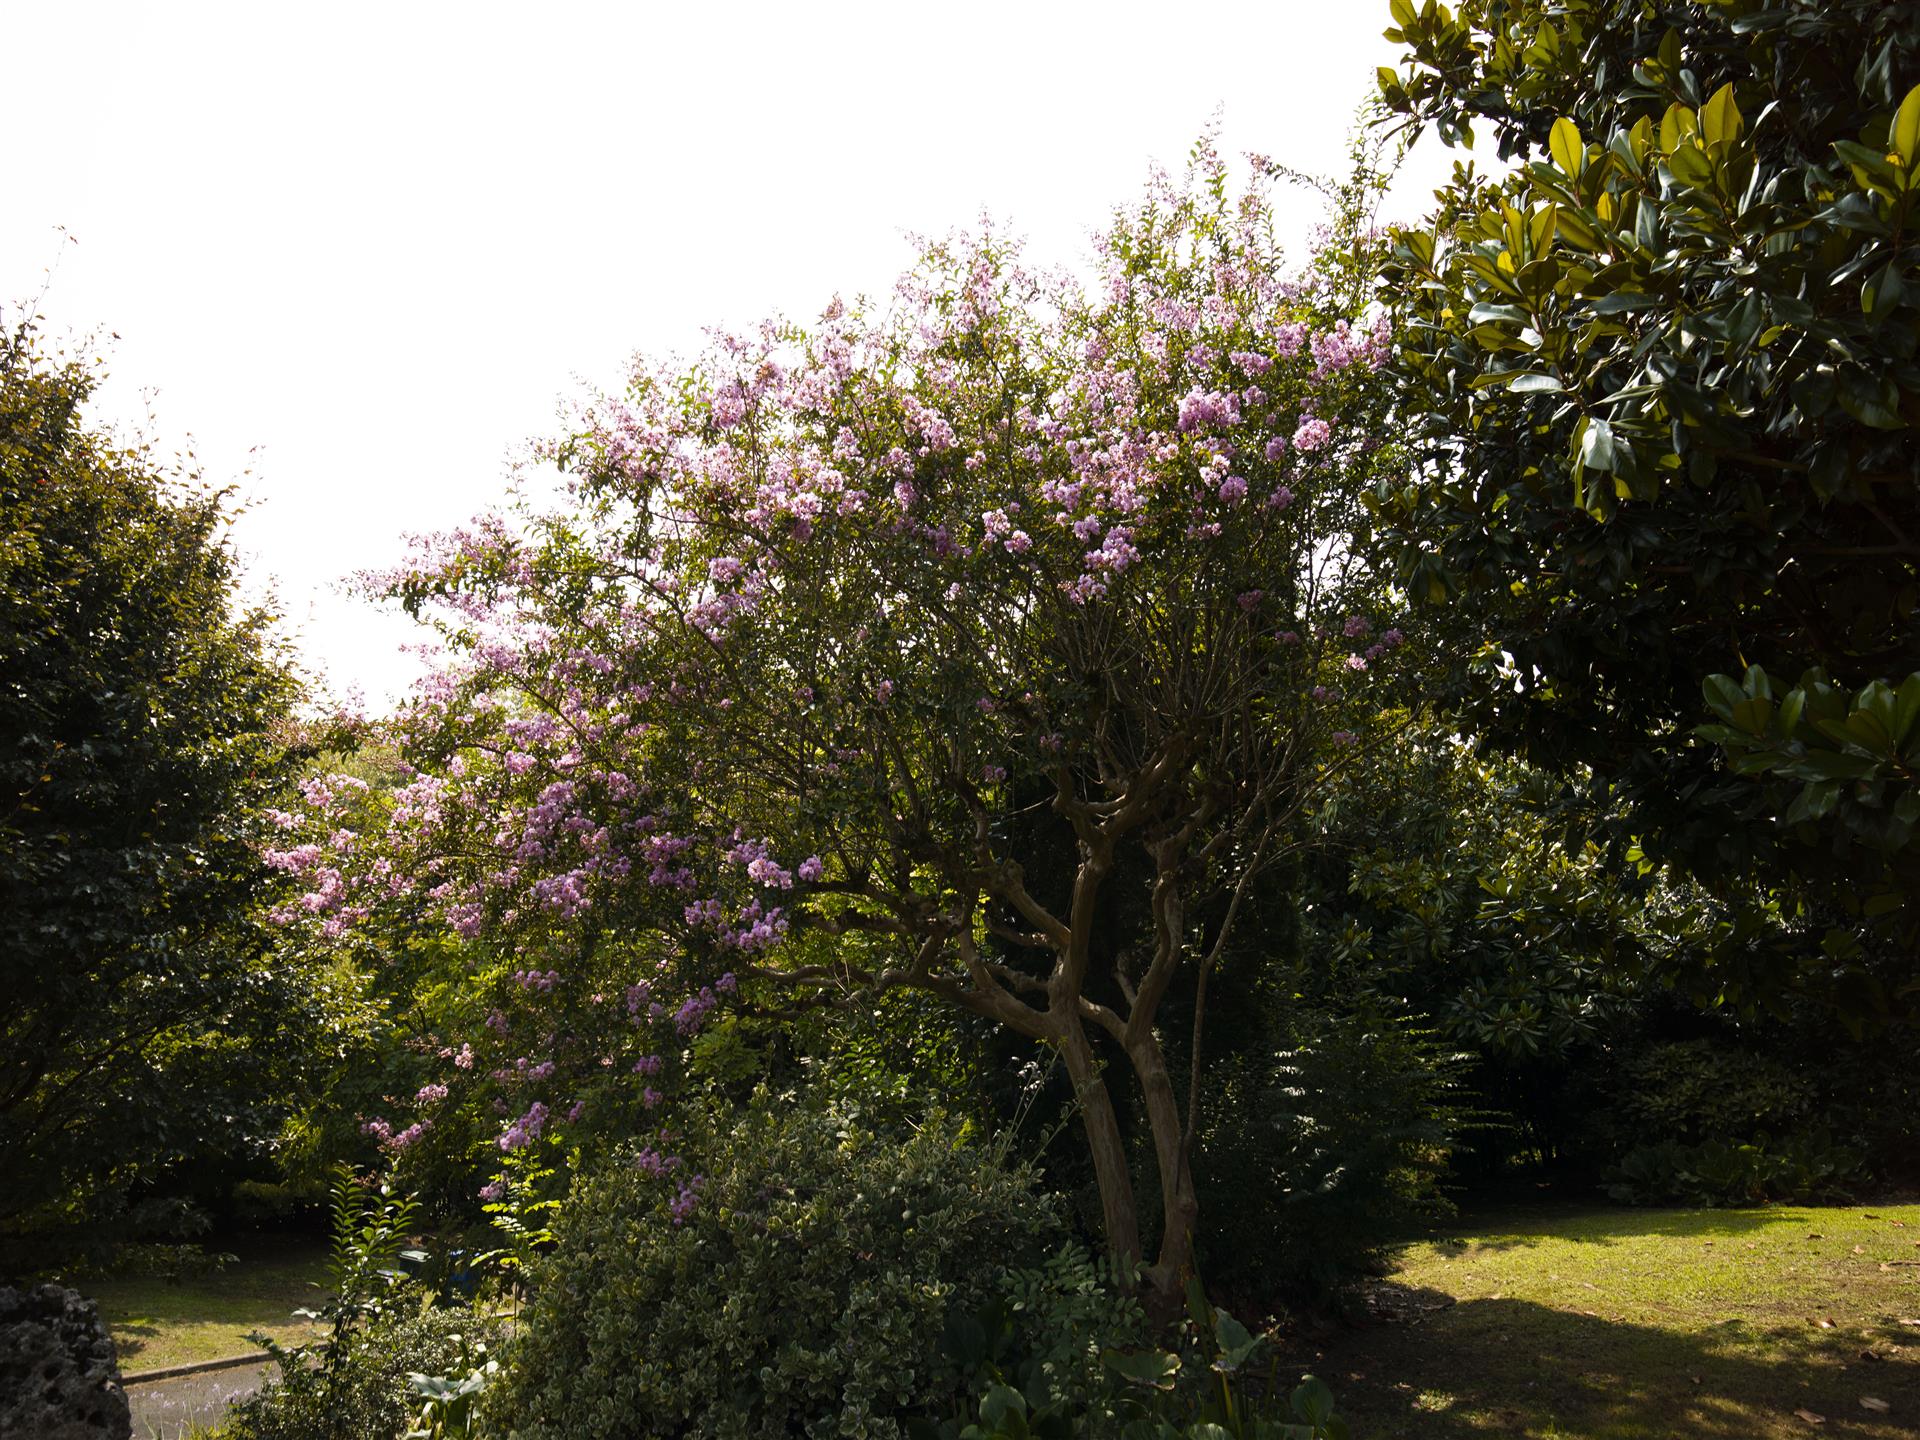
991 644
141 730
1665 376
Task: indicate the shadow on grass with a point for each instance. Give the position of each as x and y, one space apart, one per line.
1515 1368
129 1339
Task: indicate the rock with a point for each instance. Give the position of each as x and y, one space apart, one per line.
59 1379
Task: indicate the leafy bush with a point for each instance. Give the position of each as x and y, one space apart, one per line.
1046 1333
1220 1383
805 1293
1318 1154
361 1390
1803 1167
1693 1091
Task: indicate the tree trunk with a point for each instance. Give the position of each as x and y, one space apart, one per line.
1179 1203
1117 1212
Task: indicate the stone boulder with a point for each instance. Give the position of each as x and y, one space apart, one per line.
59 1379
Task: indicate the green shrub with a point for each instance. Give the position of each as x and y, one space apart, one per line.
362 1392
1804 1166
806 1293
1694 1091
1220 1382
1316 1156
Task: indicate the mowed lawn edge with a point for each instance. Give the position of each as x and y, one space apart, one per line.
158 1323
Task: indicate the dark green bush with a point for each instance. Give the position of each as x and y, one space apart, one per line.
1314 1157
362 1392
807 1292
1806 1166
1694 1091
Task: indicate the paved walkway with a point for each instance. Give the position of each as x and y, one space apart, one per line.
172 1409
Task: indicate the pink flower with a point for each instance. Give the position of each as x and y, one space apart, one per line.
1312 434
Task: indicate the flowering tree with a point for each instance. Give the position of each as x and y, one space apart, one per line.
924 647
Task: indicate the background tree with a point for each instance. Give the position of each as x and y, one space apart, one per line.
143 726
1665 375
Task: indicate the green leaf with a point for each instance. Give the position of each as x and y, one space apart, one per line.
1870 406
1235 1344
1596 446
1906 708
1830 765
1723 693
1866 158
1792 705
1528 383
1690 166
1675 126
1866 729
1905 133
1313 1401
1720 120
1815 800
1001 1402
1568 149
1624 300
1154 1369
1883 292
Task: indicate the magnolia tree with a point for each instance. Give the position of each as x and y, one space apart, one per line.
841 618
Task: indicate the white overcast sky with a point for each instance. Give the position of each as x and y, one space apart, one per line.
366 251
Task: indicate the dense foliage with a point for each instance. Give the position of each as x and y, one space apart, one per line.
143 719
1666 378
362 1390
1316 733
808 1294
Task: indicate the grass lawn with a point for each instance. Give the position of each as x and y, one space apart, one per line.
1635 1324
158 1323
